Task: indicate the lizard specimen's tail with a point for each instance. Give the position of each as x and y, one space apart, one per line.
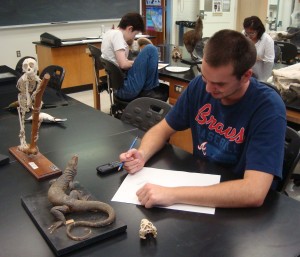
102 223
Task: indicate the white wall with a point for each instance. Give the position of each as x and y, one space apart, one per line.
186 10
284 14
183 10
21 38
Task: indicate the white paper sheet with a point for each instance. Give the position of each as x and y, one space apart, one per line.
127 191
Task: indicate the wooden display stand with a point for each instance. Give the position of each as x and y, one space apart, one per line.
30 157
38 165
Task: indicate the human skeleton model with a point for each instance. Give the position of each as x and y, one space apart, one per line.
26 84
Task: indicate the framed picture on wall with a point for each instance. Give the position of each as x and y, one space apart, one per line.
153 2
217 6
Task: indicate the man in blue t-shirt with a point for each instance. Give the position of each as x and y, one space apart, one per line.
235 120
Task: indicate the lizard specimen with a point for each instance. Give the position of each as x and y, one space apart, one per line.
74 202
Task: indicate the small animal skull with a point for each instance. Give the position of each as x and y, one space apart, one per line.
147 227
30 67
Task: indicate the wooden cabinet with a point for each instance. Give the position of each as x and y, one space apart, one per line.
77 63
183 139
176 87
74 58
293 116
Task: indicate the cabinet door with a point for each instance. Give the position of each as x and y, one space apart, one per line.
75 59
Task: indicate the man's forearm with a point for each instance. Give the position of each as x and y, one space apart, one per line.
155 139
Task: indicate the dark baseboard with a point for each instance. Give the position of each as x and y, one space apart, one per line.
70 90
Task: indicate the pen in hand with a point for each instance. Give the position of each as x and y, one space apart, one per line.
131 146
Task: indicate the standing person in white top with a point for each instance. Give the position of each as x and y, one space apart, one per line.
255 30
141 74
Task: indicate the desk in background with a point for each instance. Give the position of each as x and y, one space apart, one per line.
75 59
271 230
74 56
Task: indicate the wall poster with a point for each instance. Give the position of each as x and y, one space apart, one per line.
153 2
154 19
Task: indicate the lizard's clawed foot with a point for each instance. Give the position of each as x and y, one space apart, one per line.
55 226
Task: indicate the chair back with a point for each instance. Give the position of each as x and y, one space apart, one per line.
114 73
100 81
96 54
57 75
291 156
145 112
288 52
115 80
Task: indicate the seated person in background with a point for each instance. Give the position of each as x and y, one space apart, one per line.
142 73
255 30
235 121
294 34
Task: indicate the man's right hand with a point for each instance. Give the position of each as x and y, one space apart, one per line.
133 160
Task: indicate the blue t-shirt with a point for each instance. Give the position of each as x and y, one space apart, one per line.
248 135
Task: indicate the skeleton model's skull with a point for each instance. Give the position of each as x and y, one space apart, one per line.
30 66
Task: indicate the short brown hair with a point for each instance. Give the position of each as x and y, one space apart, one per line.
229 46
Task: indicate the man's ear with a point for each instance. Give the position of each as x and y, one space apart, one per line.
247 75
129 28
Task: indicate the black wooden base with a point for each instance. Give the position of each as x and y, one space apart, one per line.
38 208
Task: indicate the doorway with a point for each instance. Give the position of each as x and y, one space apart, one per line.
217 15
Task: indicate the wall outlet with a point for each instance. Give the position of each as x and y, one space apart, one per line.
18 53
178 89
